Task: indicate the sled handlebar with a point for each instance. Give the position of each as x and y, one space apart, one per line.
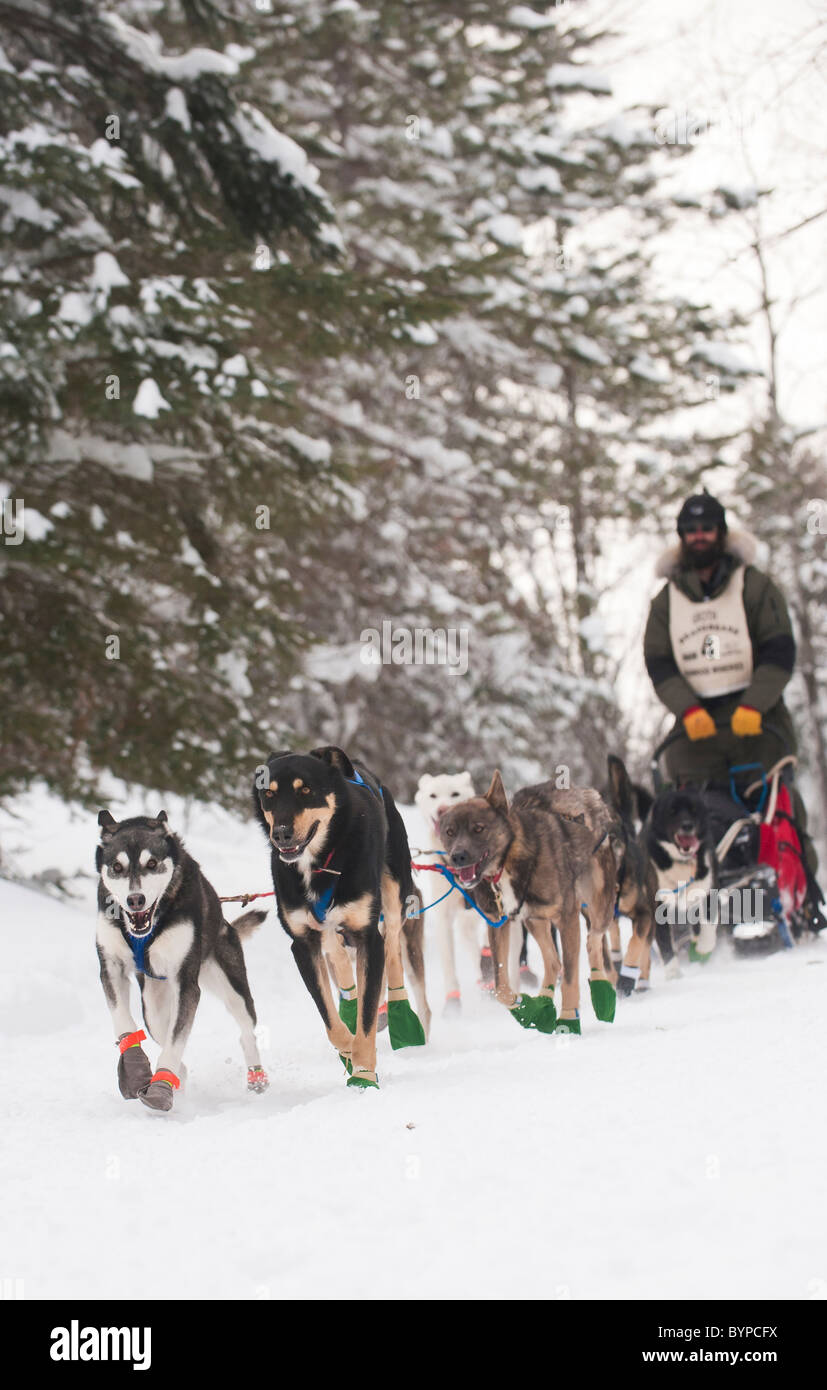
657 779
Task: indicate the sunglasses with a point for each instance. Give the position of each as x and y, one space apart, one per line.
699 530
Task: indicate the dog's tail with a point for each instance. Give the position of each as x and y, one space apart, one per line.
248 922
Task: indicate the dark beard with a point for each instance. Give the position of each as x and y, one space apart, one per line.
695 558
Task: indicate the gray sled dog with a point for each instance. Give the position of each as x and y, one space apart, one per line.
159 919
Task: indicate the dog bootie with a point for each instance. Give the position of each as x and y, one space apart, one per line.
627 978
404 1028
347 1009
257 1079
453 1004
134 1071
535 1011
568 1025
698 957
160 1091
604 1000
364 1080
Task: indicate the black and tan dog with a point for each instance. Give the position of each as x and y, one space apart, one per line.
342 871
666 877
637 885
542 860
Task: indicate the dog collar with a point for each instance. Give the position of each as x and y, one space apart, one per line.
495 878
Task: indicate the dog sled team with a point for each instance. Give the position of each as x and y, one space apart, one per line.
547 864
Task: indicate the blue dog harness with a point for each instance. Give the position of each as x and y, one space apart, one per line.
138 945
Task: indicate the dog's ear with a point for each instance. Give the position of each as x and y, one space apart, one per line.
281 753
495 796
107 822
620 789
161 818
334 757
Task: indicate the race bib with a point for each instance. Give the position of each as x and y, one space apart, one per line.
710 641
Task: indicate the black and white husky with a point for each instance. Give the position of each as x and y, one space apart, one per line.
679 843
160 920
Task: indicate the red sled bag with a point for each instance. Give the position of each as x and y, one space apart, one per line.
780 847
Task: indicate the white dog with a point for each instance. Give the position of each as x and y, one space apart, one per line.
451 917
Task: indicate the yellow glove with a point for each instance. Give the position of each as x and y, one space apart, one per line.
698 723
746 721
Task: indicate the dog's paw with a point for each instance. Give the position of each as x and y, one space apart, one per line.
698 957
158 1095
627 979
134 1072
568 1025
364 1080
404 1028
257 1079
381 1019
604 1000
453 1004
535 1011
673 969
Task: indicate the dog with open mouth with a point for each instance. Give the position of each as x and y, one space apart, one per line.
541 860
679 844
161 921
342 875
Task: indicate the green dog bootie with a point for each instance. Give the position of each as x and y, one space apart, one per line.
698 957
404 1028
347 1010
535 1011
568 1025
364 1083
604 1000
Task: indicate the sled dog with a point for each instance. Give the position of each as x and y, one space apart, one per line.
340 859
667 874
637 886
159 919
679 843
541 860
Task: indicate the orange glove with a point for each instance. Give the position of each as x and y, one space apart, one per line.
746 721
698 723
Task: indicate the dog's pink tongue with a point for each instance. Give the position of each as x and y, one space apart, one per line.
467 873
688 842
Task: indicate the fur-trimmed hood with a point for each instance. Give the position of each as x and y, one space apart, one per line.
742 544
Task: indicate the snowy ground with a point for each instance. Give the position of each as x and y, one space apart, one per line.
674 1154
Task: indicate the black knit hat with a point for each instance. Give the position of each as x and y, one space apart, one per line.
703 507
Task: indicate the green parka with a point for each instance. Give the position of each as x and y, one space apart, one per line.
773 656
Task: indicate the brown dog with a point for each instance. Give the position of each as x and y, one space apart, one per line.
541 861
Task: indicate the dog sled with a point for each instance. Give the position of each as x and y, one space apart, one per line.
767 897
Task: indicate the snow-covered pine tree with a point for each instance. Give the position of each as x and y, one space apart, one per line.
164 255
